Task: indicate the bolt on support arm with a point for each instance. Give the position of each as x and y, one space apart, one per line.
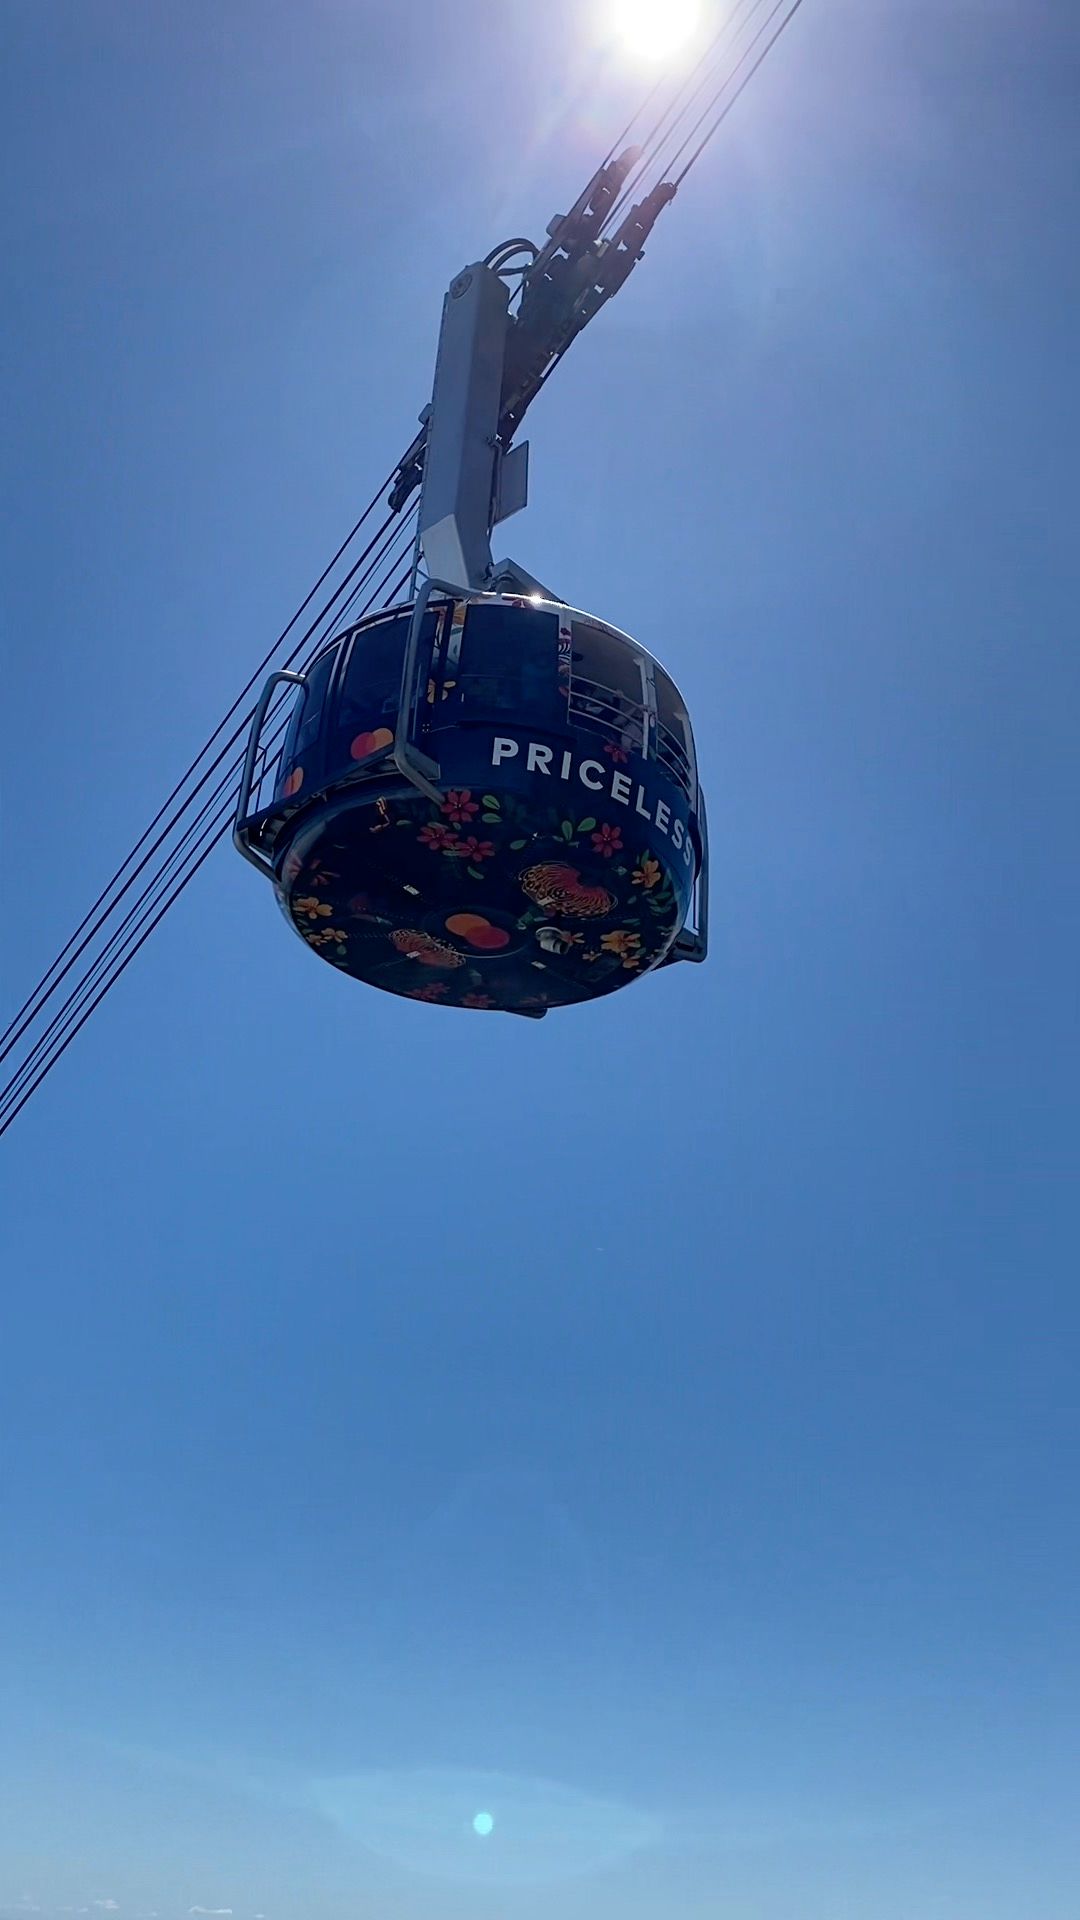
566 287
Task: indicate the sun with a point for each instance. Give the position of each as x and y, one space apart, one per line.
655 29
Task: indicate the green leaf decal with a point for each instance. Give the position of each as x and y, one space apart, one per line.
474 873
567 829
491 819
586 826
491 802
516 845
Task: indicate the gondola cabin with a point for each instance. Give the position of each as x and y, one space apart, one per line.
484 801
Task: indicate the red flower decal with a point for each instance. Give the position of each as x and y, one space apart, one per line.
459 806
607 840
437 836
474 849
478 1000
614 752
433 992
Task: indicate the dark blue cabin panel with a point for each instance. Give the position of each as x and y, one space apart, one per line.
556 854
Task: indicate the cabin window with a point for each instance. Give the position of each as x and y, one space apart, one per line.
302 736
365 711
607 686
675 742
509 661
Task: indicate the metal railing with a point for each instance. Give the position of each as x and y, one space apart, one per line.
673 757
606 711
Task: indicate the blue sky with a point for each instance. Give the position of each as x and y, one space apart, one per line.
657 1427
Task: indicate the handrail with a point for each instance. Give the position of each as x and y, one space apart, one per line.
243 798
605 709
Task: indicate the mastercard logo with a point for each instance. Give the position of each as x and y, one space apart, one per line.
366 743
478 932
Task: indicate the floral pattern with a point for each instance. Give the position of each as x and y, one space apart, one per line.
607 841
331 942
473 849
437 836
481 900
459 806
648 873
626 944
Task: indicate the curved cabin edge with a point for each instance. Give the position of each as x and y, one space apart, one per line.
555 848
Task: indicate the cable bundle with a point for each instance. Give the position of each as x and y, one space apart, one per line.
195 817
701 101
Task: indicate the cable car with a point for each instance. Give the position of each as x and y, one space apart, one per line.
484 800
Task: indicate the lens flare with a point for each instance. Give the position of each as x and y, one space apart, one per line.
490 1829
655 29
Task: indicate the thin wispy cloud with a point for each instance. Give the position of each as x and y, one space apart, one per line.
107 1906
215 1913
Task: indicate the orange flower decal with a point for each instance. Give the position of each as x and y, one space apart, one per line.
626 945
648 874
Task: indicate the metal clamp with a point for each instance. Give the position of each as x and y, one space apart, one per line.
244 797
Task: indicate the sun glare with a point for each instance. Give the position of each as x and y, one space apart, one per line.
655 29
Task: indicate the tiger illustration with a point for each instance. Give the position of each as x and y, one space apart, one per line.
559 888
425 948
